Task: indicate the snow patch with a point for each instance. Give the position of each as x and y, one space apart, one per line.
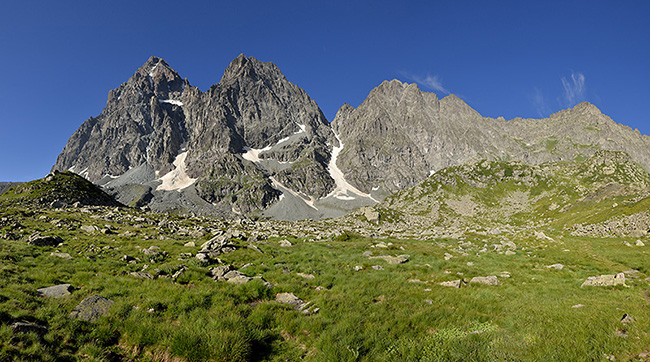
170 101
152 72
253 154
303 129
308 200
431 173
176 179
375 188
343 190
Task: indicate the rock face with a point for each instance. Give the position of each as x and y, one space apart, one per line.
400 135
142 123
234 149
255 144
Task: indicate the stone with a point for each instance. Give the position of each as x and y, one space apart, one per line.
91 308
61 255
627 319
371 215
141 275
555 266
26 327
400 259
489 280
288 298
367 253
448 256
639 243
605 280
358 267
577 306
451 283
510 252
254 247
237 277
220 271
285 243
306 276
297 303
89 228
377 267
206 258
152 251
190 244
36 239
56 291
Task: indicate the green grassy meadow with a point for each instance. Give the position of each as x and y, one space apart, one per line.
399 313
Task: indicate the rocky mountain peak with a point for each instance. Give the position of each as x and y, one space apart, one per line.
244 67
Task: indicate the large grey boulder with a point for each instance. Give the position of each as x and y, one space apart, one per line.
56 291
91 308
604 281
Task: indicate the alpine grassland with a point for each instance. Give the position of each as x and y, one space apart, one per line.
478 263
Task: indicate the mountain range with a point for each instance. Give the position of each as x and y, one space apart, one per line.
255 144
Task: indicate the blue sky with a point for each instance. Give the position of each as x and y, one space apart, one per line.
59 59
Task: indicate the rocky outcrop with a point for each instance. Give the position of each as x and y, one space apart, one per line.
400 135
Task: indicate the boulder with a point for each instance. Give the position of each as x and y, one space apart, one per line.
489 280
285 243
89 228
56 291
218 245
297 303
91 308
61 255
36 239
451 283
208 258
605 280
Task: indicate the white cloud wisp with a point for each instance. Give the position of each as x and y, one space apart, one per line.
574 88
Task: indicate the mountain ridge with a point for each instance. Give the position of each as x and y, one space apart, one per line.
256 144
